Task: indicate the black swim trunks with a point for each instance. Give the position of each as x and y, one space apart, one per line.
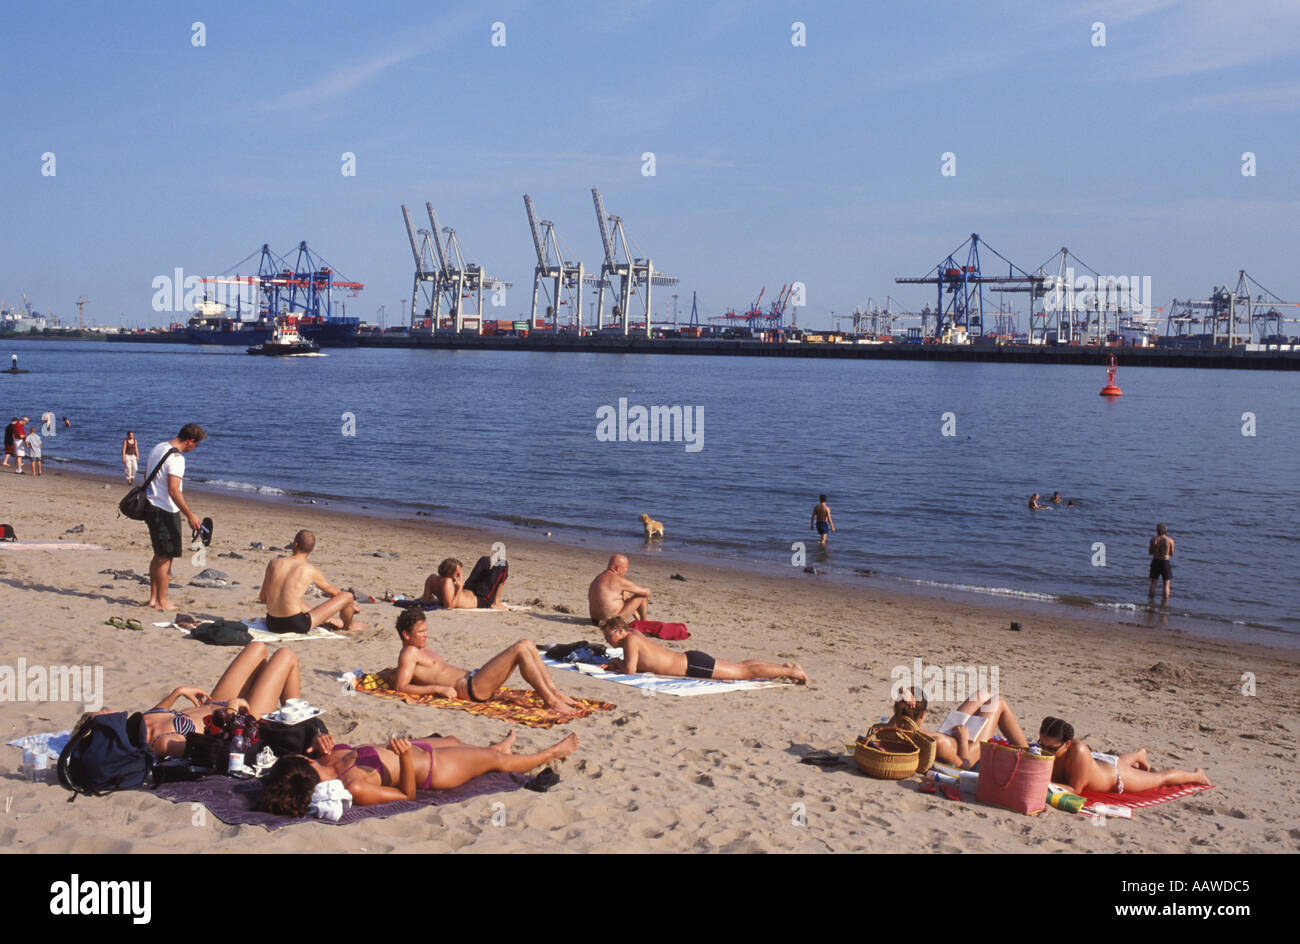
299 623
469 687
164 530
699 664
1161 568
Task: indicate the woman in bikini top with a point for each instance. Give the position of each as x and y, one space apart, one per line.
253 681
960 748
1077 767
374 774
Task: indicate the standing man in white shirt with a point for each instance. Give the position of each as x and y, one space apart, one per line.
165 507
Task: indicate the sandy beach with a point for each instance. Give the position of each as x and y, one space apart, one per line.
713 773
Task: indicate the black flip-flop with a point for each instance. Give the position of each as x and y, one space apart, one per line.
205 531
543 781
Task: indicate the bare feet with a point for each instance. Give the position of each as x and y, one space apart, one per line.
1201 777
505 746
796 673
562 749
164 607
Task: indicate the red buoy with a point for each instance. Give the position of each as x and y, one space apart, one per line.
1110 390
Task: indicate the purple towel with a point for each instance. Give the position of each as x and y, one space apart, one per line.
231 800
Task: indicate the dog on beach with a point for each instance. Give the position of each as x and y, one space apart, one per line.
653 529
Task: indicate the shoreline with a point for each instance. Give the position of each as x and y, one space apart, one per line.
1011 603
666 774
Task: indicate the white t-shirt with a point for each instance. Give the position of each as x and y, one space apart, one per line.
175 466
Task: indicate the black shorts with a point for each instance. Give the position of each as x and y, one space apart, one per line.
298 623
699 664
1161 568
164 530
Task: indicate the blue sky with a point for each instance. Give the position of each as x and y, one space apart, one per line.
774 162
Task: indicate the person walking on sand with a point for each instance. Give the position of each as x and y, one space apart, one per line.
1161 549
642 655
9 441
166 504
420 671
612 594
130 456
822 522
33 442
285 582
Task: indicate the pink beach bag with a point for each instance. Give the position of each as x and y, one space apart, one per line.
1013 778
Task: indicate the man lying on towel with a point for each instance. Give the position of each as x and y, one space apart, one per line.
423 672
642 655
481 590
287 579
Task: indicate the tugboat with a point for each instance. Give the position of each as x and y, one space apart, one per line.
285 341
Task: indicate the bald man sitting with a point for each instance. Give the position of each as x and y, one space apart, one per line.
287 579
612 594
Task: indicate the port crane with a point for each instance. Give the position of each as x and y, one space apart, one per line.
1232 316
558 279
962 310
634 275
303 287
425 286
458 281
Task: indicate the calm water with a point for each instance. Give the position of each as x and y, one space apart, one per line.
511 437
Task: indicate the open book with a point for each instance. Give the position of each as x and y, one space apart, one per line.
974 724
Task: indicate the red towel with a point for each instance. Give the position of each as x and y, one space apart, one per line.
1149 798
662 630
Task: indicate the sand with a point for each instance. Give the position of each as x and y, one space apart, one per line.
714 773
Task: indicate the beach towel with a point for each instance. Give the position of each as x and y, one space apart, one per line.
661 684
257 629
1137 801
51 546
669 631
508 704
431 607
231 800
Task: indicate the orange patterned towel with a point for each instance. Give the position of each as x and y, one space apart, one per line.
508 704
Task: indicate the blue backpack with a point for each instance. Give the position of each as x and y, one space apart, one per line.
100 757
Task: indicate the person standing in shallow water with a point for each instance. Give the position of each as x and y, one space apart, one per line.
1161 549
822 522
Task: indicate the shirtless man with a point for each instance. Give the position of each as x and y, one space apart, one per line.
821 520
1056 498
287 579
642 655
612 594
1033 502
1161 550
1078 768
449 587
423 672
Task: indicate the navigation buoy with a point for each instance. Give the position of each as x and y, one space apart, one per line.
1110 390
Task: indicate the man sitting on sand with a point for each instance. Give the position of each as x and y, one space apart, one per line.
287 579
612 594
480 591
642 655
423 672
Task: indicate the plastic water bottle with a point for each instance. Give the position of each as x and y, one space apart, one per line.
237 748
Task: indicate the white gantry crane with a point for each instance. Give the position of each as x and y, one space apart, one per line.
425 285
443 274
635 276
559 279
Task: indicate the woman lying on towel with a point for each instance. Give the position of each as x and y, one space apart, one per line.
1081 769
253 681
380 775
963 729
